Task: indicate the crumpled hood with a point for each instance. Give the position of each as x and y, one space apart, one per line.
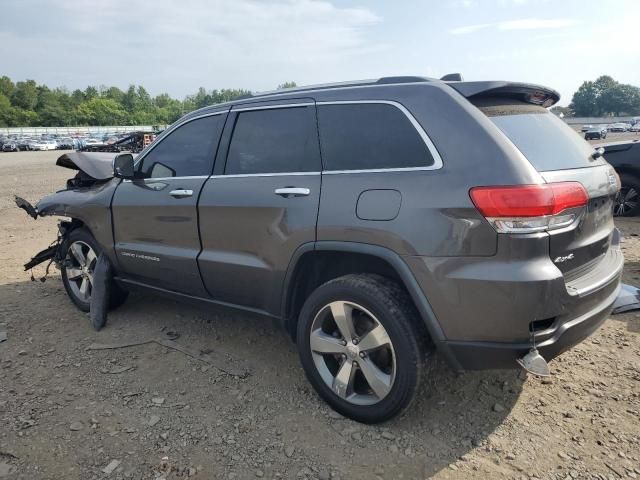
98 165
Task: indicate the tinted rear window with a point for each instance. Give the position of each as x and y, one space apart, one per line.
274 141
544 139
369 136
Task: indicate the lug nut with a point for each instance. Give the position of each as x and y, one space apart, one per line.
355 341
362 354
355 364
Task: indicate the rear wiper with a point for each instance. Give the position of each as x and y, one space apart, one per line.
597 153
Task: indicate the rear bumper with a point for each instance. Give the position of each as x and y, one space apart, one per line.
486 307
491 355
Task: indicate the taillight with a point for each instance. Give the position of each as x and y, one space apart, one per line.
529 208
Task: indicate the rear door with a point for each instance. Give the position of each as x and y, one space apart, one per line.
262 203
560 155
155 218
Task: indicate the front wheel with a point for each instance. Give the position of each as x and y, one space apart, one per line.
361 346
81 256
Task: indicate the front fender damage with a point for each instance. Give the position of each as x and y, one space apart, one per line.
88 206
54 253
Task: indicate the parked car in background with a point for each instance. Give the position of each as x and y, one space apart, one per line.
10 146
625 158
39 144
635 128
24 144
596 133
619 127
309 206
586 128
51 144
92 141
66 143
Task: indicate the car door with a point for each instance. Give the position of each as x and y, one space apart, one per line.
155 218
262 204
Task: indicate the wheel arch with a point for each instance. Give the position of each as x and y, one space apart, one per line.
316 263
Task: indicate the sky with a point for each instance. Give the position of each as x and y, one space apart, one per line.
176 46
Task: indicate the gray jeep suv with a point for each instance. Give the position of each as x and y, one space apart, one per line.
377 221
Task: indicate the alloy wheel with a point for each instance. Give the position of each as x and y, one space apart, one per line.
626 201
79 265
353 353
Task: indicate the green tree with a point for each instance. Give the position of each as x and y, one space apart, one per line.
287 85
619 99
605 96
90 93
101 111
565 111
6 111
25 95
6 86
113 93
585 100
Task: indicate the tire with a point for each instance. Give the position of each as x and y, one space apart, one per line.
73 274
627 201
398 351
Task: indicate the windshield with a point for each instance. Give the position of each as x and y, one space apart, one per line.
544 139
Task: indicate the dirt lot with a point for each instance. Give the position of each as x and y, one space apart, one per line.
68 413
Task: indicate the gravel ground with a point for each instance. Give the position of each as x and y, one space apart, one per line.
148 412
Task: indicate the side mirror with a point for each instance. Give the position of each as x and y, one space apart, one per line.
123 166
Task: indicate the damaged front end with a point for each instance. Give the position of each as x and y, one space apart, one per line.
85 202
54 253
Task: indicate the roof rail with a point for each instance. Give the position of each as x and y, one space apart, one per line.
403 79
352 83
319 86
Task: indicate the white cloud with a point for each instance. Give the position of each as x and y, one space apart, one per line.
180 45
536 24
520 24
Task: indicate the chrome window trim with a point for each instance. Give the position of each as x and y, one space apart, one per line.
164 179
271 107
278 174
379 170
437 159
141 156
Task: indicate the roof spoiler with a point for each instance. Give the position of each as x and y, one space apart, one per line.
525 92
452 77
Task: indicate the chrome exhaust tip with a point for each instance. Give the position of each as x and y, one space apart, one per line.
534 363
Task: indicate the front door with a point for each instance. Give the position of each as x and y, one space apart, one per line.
155 218
257 210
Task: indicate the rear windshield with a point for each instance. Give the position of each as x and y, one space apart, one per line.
544 139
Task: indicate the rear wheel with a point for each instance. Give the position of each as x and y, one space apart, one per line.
361 347
627 201
81 256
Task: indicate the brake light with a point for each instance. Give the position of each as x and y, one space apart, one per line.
529 208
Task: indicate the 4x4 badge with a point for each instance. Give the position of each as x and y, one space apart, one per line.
563 259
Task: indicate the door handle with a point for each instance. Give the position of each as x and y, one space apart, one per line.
181 193
287 192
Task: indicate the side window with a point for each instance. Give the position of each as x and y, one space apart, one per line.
187 151
369 136
275 140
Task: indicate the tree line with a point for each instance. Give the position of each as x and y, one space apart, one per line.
603 97
25 103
